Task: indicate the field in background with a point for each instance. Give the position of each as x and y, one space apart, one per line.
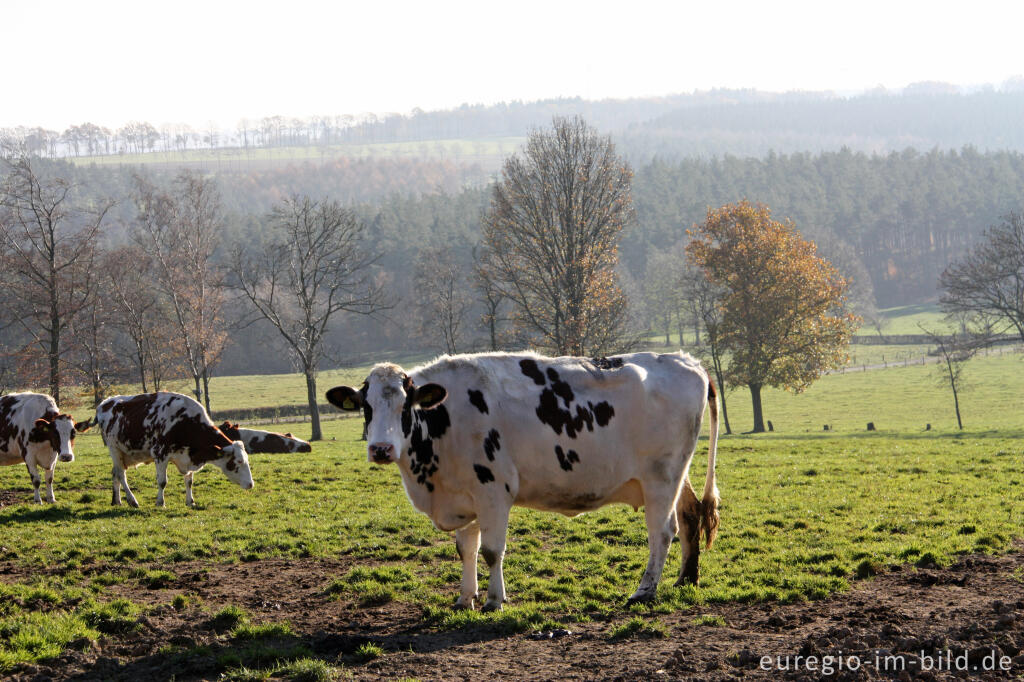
489 152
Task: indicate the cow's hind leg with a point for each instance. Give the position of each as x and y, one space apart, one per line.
493 532
120 480
189 500
467 542
659 510
30 462
688 511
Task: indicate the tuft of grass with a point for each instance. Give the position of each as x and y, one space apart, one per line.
868 568
262 631
368 651
115 617
228 618
710 620
638 627
158 578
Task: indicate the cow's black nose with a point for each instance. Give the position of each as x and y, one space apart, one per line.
381 452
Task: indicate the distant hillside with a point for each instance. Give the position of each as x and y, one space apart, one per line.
715 123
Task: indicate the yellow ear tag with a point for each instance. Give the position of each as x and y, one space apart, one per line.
347 404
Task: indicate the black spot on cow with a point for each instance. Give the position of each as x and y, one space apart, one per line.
436 419
529 368
367 412
476 399
507 489
423 462
483 473
566 459
603 412
492 443
561 388
607 363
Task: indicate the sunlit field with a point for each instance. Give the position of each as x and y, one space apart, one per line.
805 513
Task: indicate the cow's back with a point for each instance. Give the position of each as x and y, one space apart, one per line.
156 423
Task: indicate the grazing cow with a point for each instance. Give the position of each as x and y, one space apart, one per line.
474 435
33 431
163 428
265 441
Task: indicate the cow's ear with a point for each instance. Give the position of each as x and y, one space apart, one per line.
43 425
289 435
345 398
429 395
225 425
84 426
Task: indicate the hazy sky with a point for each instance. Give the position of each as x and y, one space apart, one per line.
109 62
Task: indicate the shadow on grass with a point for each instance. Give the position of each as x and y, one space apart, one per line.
35 514
335 649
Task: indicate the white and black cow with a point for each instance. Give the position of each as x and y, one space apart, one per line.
474 435
163 428
33 431
257 441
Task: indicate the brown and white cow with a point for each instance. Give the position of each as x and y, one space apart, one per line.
163 428
257 441
475 435
33 431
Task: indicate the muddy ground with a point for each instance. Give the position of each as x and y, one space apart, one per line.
967 619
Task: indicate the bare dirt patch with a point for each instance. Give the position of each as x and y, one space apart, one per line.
970 614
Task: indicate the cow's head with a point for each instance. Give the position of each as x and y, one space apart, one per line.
234 462
230 430
59 432
387 398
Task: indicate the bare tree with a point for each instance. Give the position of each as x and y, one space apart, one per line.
954 350
47 247
311 268
180 232
551 238
137 311
443 301
988 283
706 300
491 298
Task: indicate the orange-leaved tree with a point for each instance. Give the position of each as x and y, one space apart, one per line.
784 311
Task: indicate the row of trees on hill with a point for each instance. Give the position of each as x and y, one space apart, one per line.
189 286
699 124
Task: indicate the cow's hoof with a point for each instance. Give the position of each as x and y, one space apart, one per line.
134 503
641 598
491 606
459 605
686 580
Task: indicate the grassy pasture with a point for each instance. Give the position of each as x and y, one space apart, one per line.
804 514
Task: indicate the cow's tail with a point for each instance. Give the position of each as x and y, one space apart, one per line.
709 502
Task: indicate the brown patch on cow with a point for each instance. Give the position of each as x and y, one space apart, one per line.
230 430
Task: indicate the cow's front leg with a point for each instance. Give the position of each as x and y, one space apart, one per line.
33 472
49 483
189 500
493 532
467 542
660 513
161 481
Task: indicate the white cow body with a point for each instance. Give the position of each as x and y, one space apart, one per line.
164 428
557 434
33 431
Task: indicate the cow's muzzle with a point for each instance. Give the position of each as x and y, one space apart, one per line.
381 453
66 457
